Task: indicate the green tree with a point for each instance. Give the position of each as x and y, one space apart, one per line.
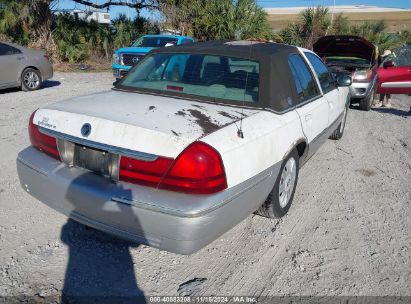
217 19
312 24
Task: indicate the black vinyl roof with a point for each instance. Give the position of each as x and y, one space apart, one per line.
253 50
276 85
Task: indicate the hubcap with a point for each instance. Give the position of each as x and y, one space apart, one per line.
287 182
31 80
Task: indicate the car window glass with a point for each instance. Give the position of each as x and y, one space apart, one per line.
153 41
304 81
210 76
6 49
186 41
401 56
326 80
175 68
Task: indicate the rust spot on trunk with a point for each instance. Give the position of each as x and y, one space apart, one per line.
228 115
175 133
198 106
204 122
180 113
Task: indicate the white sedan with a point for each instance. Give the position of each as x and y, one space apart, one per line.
190 143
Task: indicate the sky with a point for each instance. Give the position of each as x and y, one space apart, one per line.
115 11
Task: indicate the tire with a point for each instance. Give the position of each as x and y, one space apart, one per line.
277 205
366 102
30 80
338 133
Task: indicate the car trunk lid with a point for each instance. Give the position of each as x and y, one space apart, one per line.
149 124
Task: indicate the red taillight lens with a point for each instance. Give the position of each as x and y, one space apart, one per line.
198 169
47 57
43 142
147 173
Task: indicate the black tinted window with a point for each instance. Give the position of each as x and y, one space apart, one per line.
6 49
186 41
326 80
304 81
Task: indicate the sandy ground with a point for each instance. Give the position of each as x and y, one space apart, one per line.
347 233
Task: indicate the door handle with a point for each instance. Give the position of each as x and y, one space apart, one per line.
20 57
308 117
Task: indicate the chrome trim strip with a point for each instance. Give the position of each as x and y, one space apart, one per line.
175 212
131 54
396 84
112 149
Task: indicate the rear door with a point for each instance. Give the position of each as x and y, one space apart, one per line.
9 65
330 91
312 107
396 79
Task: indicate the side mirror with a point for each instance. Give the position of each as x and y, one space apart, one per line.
388 64
344 80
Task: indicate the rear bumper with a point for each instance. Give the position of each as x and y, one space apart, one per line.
46 71
175 222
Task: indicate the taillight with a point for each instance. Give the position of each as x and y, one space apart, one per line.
198 169
142 172
43 142
46 57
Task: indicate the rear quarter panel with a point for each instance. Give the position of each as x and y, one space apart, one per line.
36 59
268 137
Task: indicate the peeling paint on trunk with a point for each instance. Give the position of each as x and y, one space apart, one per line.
147 123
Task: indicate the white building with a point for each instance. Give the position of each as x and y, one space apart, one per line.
101 17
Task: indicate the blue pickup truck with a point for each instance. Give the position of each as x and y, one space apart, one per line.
125 58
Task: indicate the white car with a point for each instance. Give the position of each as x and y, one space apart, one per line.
190 143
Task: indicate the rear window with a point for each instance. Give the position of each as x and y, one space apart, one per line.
6 49
215 77
154 42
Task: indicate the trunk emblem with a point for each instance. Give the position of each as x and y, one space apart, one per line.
86 129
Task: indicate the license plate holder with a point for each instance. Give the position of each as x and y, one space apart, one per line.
98 161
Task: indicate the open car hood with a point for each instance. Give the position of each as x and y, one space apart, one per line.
345 46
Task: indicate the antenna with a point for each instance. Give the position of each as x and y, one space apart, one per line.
240 133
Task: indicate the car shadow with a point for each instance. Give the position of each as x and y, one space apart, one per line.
9 90
46 84
393 111
50 84
100 268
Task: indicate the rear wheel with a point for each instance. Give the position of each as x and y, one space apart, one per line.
338 133
279 200
30 80
366 102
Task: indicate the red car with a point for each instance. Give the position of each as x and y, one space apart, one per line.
394 75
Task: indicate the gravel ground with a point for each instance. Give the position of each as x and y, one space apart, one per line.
347 233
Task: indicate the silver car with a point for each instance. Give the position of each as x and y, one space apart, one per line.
23 67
